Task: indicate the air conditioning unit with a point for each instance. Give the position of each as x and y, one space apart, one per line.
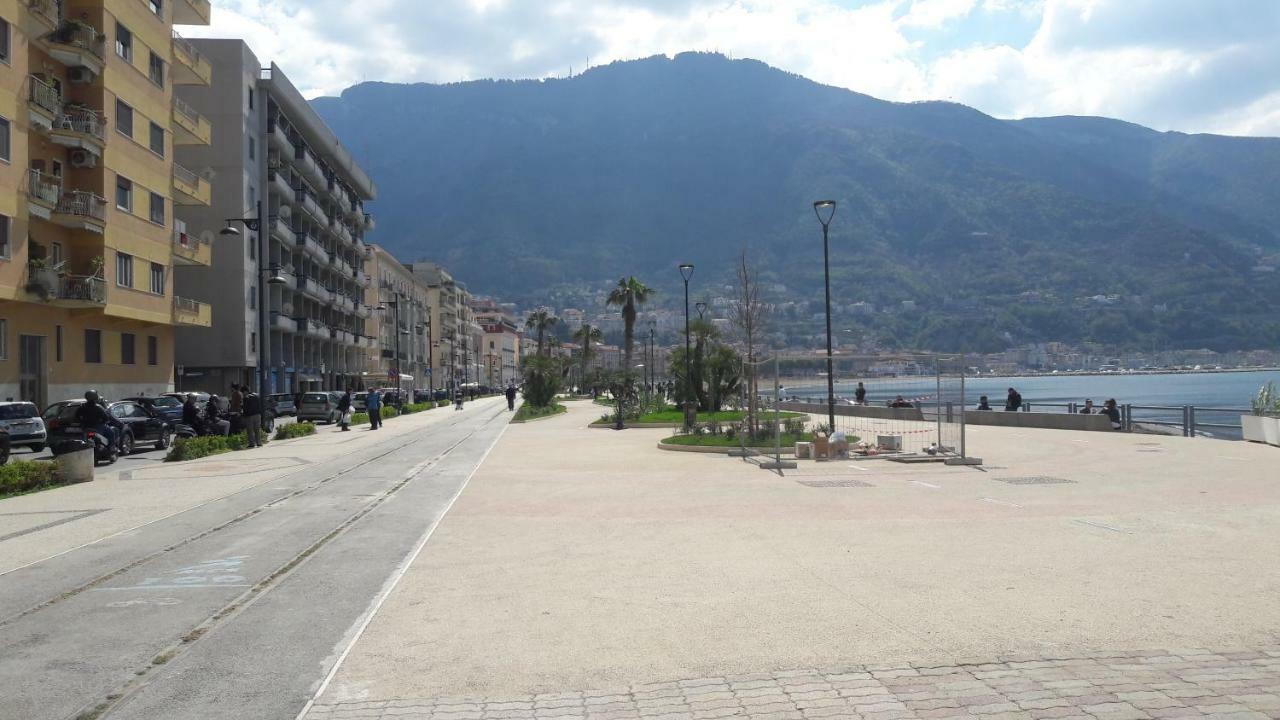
81 75
81 158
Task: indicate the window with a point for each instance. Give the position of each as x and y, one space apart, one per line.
124 118
124 270
157 209
124 42
253 342
6 36
253 149
153 350
4 339
6 223
250 98
253 297
157 278
57 343
126 348
124 194
156 69
157 139
93 346
157 7
55 254
5 148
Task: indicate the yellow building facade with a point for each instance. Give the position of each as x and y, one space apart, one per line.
88 187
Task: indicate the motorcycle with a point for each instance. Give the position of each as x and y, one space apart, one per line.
103 452
182 431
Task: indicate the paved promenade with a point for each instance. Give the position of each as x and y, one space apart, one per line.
585 574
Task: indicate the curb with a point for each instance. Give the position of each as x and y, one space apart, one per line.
718 450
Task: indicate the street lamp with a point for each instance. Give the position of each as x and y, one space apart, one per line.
828 207
701 308
686 272
653 355
272 276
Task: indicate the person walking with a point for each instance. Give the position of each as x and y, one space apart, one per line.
344 411
1014 401
252 416
457 398
373 405
511 397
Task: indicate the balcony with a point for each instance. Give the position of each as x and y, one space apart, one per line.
77 44
306 163
278 176
190 313
342 302
80 128
191 12
369 222
189 66
81 210
80 291
314 290
44 102
189 188
306 201
313 329
279 139
283 323
44 17
189 126
190 250
280 230
364 312
308 244
43 194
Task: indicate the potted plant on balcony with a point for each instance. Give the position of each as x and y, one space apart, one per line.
1264 424
40 279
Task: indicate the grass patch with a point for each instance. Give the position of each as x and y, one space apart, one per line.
724 441
22 476
295 430
672 416
528 412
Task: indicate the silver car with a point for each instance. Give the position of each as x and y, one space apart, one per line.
25 426
319 407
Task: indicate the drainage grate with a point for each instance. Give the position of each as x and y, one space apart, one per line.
834 483
1037 480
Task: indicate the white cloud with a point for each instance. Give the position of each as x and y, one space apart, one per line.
1170 64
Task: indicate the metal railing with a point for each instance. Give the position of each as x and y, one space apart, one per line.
185 110
80 35
45 190
82 287
83 204
47 9
186 48
44 95
82 120
1187 418
186 306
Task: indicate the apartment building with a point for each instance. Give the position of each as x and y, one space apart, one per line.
400 326
298 251
499 345
88 189
448 359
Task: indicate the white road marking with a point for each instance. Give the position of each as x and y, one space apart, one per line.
1001 502
1091 523
855 467
926 484
174 587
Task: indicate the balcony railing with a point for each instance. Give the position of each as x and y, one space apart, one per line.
185 47
186 175
46 189
83 204
46 10
82 120
83 288
44 96
77 34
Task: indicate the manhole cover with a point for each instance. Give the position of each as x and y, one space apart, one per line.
1039 480
834 483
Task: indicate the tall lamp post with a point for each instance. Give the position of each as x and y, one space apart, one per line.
686 272
653 356
267 275
398 332
826 210
702 309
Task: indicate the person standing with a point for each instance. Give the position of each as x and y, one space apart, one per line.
860 395
373 405
1014 401
252 408
511 397
344 411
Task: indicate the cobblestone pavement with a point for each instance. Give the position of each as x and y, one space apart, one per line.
1236 683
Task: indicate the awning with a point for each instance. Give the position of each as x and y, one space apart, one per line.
306 377
403 378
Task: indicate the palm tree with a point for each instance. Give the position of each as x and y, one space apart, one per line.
540 321
586 335
629 293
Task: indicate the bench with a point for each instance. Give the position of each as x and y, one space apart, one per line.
1048 421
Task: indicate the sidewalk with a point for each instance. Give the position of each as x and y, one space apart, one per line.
586 564
120 499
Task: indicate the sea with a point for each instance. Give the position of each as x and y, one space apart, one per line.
1162 395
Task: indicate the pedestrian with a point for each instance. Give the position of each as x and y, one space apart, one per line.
511 397
213 420
1112 412
252 408
373 405
344 410
860 395
983 404
457 398
1014 401
1088 407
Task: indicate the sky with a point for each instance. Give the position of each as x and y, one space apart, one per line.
1187 65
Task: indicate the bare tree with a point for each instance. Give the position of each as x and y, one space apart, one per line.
749 315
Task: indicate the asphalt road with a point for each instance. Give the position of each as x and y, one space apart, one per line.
144 454
239 608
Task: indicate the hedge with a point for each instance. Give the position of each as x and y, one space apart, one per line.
295 430
22 476
198 447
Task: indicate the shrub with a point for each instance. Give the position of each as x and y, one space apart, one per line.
197 447
541 380
417 408
23 476
530 412
387 412
295 430
443 403
360 418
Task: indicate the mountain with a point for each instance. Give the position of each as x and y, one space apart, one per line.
1000 232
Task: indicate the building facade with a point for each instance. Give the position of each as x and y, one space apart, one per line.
499 344
89 126
448 342
301 255
400 324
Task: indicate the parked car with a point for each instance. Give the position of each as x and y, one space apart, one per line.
202 398
166 406
140 424
4 446
319 407
359 402
284 404
21 421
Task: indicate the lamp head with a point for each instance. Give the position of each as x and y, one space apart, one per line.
825 210
229 230
702 308
277 279
686 271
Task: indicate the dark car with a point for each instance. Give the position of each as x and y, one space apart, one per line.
166 406
140 424
4 446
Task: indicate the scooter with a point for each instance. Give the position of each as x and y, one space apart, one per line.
103 451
